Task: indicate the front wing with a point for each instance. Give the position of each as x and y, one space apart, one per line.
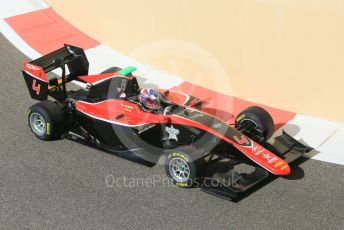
230 179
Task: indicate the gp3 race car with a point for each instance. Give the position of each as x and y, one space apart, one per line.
200 150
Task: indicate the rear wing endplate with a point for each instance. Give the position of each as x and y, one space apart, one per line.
69 58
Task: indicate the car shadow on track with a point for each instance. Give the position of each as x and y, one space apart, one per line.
297 173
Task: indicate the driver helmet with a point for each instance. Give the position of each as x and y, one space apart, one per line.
150 98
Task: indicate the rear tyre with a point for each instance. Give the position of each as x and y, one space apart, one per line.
256 123
45 120
112 70
185 167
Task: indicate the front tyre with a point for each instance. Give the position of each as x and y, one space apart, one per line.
185 167
256 123
45 120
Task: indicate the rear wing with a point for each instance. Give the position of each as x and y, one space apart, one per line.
70 59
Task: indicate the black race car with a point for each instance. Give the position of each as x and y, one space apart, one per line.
200 150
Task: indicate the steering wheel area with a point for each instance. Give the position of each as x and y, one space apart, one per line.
168 110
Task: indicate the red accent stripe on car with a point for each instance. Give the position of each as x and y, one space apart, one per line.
35 71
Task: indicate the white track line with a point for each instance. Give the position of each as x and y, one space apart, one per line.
325 136
333 149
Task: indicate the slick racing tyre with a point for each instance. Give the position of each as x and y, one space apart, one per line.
256 123
185 167
112 70
45 120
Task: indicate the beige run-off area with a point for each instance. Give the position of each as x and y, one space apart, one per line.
287 54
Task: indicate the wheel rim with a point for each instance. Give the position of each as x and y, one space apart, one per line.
248 122
252 129
37 124
179 169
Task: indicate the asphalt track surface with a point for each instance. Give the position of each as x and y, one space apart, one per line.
62 184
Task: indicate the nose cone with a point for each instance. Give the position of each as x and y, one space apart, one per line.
284 170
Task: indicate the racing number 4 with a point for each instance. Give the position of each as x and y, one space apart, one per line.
36 87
